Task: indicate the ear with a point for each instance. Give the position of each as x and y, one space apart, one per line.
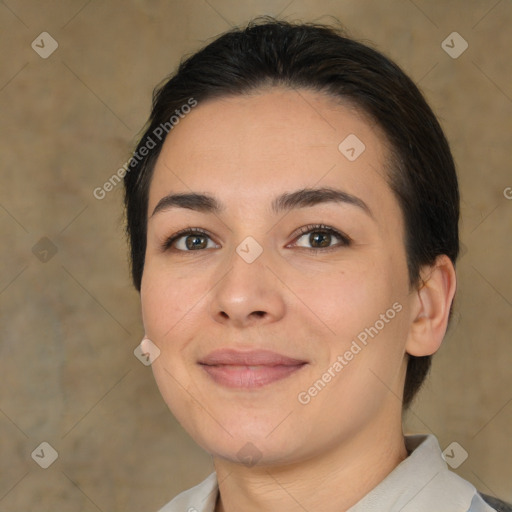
431 308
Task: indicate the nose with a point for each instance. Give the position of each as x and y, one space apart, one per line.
248 294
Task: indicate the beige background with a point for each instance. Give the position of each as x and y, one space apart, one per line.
69 325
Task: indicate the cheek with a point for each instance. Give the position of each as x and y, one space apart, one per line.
169 302
366 302
166 300
349 299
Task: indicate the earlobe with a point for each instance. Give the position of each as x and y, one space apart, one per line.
432 308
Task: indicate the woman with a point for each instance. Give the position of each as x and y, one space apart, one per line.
293 241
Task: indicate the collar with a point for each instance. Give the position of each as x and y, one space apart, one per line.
420 483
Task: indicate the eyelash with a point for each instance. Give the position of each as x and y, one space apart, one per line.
345 240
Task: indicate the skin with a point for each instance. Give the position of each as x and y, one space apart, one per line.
309 304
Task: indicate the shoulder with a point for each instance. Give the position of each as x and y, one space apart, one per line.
496 504
448 490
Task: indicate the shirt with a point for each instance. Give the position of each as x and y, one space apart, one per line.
420 483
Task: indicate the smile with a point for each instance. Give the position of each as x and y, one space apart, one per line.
249 370
249 376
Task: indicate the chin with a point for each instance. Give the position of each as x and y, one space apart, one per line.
254 452
250 443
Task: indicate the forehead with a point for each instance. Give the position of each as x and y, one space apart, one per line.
245 149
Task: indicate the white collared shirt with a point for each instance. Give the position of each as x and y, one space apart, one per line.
420 483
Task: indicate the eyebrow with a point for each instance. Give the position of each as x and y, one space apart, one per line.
283 203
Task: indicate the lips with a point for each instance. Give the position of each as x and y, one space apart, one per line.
250 369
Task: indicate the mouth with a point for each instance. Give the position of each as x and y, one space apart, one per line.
249 370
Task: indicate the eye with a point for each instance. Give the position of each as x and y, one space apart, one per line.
319 237
190 239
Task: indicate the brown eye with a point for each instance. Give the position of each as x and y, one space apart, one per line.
193 242
321 237
189 240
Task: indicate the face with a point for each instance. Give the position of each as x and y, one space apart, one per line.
281 317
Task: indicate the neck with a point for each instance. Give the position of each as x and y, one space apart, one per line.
332 481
